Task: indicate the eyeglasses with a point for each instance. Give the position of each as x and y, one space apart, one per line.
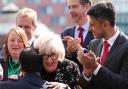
53 56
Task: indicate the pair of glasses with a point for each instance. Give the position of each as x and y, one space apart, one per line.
53 56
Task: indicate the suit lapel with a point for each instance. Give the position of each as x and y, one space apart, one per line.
96 46
87 39
99 48
72 31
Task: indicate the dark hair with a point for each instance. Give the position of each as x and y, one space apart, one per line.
85 2
103 11
30 60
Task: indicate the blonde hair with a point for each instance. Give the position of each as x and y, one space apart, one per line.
50 41
28 12
21 34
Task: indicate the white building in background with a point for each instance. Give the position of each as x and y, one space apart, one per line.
121 7
8 18
122 14
7 21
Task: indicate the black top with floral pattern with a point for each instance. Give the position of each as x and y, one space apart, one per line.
67 72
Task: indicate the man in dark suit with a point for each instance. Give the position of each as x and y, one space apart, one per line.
31 66
71 35
112 73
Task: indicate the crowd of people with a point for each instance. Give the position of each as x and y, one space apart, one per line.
91 54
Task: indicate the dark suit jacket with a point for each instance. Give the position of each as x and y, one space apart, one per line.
70 31
30 81
5 68
114 72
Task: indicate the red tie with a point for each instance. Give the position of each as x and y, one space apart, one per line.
81 34
105 52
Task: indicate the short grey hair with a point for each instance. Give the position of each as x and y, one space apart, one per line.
52 41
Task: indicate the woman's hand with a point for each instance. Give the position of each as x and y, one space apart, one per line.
13 77
57 85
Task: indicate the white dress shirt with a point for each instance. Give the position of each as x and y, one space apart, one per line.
85 30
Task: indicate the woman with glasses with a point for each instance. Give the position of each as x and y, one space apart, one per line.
56 67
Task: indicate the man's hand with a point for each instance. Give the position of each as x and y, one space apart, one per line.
72 44
88 61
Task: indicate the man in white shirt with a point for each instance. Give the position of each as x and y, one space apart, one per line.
27 19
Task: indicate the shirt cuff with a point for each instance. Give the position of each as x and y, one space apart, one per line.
97 69
87 79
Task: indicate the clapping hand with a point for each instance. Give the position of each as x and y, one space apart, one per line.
72 44
88 61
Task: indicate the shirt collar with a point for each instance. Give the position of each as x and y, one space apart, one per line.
85 26
113 38
31 40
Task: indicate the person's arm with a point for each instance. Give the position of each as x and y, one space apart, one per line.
89 63
102 74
